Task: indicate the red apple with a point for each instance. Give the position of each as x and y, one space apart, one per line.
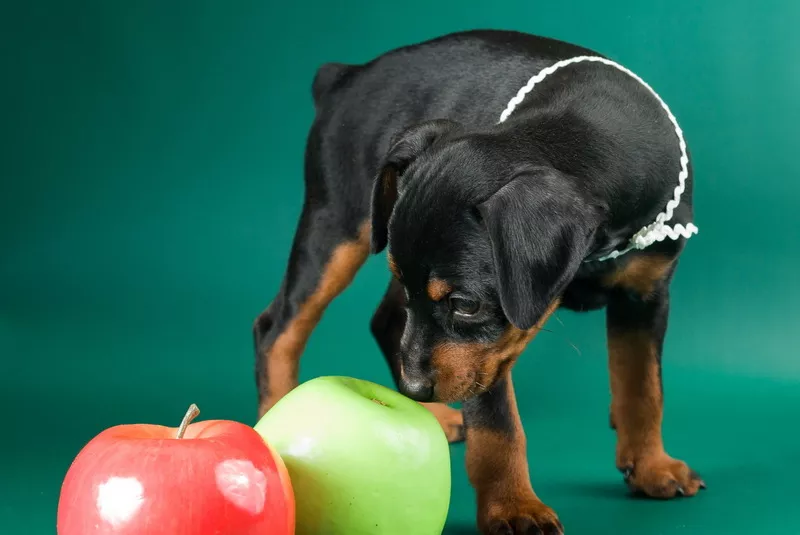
211 477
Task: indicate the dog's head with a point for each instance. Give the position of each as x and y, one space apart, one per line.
483 244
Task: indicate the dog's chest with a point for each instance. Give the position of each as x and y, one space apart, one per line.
585 294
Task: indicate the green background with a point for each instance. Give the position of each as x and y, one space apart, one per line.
151 180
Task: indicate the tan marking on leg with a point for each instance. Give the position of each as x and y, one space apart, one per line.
497 466
641 274
451 420
636 402
284 355
438 289
637 413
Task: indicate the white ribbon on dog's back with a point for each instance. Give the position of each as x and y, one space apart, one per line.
657 230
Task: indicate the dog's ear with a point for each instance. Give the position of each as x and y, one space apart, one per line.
404 149
540 231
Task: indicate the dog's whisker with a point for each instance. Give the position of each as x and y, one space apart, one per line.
575 347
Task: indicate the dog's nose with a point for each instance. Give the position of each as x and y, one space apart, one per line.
417 389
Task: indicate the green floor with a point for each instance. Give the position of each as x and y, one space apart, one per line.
150 171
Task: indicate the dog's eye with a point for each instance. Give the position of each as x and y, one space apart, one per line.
464 306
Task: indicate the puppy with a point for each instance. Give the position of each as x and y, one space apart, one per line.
489 227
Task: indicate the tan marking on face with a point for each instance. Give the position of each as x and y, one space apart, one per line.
641 274
283 357
438 289
463 370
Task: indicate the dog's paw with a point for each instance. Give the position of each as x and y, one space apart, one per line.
451 420
522 516
661 476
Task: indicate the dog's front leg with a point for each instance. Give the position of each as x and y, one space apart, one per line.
498 466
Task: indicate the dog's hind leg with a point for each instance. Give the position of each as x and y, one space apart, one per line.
331 243
323 262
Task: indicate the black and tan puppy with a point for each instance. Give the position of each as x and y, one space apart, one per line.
489 228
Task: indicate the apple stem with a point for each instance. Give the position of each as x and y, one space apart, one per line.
190 415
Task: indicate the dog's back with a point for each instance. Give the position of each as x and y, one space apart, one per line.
593 118
467 77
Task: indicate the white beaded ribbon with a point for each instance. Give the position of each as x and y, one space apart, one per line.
657 230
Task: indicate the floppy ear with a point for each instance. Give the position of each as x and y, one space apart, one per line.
405 148
540 231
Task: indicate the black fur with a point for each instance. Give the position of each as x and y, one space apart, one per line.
511 215
538 241
490 410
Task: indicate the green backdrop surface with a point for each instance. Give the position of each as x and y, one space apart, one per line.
150 181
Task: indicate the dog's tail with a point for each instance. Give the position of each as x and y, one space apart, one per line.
327 78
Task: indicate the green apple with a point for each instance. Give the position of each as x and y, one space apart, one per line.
363 459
